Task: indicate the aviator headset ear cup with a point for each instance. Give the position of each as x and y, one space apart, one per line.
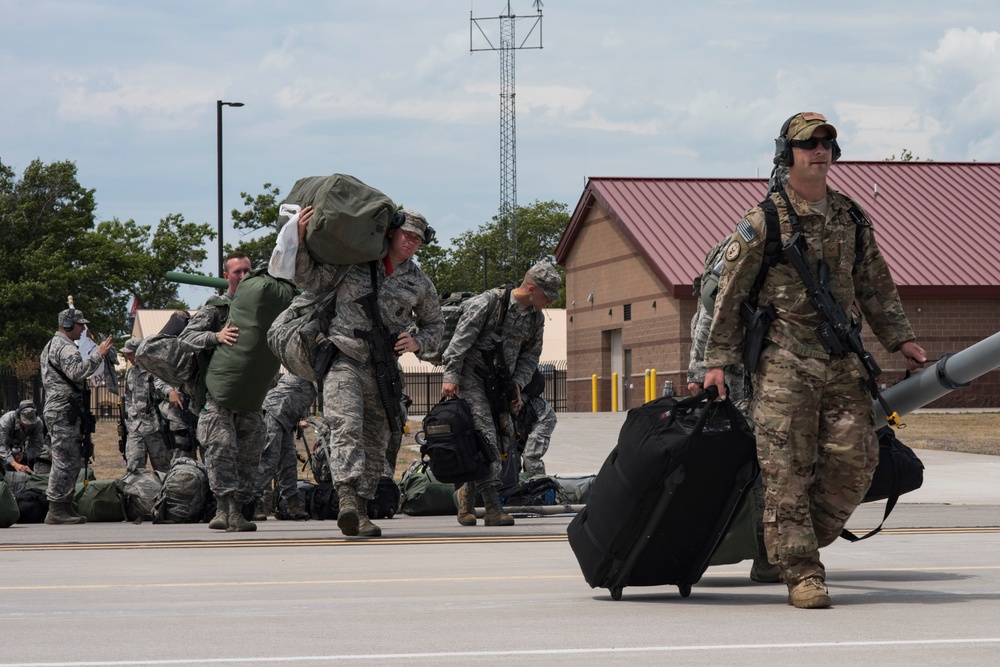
783 148
398 219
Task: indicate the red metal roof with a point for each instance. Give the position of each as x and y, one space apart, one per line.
937 223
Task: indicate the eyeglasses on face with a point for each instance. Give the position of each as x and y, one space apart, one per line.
811 143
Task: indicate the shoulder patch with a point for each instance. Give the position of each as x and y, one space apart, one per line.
733 251
746 230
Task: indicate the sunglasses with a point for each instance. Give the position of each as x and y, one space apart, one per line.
811 143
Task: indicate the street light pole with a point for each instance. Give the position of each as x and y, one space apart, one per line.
218 114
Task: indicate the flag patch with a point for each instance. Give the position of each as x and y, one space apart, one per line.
746 230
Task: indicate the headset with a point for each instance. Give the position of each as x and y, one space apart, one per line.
783 146
399 218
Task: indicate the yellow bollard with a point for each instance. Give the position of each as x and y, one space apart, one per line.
614 392
593 392
645 386
652 384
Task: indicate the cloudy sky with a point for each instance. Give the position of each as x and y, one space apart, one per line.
387 90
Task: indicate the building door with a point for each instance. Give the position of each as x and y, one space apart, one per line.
616 363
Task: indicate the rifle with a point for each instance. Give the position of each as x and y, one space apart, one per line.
500 389
836 333
122 428
80 413
382 346
300 433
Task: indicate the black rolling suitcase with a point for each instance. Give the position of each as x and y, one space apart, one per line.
666 495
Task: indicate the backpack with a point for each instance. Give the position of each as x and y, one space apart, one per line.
350 219
139 490
305 491
296 334
9 512
452 307
386 501
185 496
170 360
455 450
324 503
239 375
33 505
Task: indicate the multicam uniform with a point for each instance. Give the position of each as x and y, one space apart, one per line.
232 440
464 364
288 402
62 353
28 441
811 410
359 429
142 421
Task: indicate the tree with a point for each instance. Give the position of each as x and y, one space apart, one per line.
262 214
59 251
905 156
540 226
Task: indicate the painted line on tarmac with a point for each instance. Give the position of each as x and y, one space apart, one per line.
421 580
383 541
518 653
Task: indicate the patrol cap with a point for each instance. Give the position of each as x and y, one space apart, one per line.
414 222
545 276
804 124
74 314
131 345
27 413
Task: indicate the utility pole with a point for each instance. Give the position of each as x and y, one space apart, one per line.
506 46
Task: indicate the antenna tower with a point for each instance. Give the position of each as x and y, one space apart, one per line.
507 45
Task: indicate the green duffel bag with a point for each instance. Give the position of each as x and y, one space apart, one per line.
240 375
9 514
40 480
422 495
350 219
99 500
740 541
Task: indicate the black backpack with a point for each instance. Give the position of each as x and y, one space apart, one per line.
33 505
455 450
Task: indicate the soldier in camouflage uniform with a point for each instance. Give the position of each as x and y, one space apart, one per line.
64 378
465 365
814 419
359 428
289 402
142 418
23 447
539 434
232 440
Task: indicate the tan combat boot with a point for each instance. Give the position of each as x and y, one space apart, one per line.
810 593
221 519
295 510
465 499
238 522
365 526
348 518
495 516
61 513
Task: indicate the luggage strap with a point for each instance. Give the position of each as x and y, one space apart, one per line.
890 503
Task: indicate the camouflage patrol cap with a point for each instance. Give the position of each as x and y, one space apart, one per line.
804 124
545 276
131 345
74 314
27 413
414 222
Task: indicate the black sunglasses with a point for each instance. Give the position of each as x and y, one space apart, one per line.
811 143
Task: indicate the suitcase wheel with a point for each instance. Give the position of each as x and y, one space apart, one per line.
685 590
616 593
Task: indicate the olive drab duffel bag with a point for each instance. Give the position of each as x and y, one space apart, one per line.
239 375
350 219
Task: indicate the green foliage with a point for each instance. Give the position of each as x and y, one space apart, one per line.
905 156
540 226
261 214
61 251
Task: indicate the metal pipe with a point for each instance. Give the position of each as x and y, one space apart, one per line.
200 281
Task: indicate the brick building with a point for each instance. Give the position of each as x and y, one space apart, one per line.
634 245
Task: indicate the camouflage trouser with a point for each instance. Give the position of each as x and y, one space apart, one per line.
538 440
359 430
232 441
472 391
138 447
278 461
66 458
817 449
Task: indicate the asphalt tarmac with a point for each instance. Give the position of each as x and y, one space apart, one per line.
430 592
